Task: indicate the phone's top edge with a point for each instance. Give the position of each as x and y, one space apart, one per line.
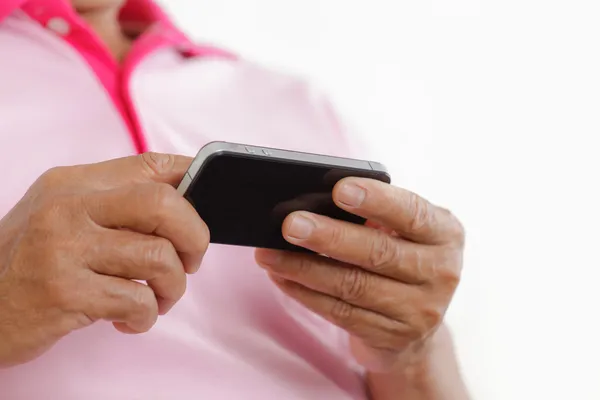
379 167
217 147
208 150
260 151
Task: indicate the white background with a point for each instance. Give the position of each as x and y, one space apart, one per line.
490 108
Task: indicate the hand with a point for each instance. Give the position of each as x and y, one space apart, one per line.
74 248
388 283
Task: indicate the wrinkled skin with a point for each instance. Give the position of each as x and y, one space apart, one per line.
388 283
73 249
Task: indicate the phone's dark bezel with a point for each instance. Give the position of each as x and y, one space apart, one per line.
275 156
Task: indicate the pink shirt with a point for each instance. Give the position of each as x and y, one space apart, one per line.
64 101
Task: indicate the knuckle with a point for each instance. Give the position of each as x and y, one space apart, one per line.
342 313
159 255
421 319
383 251
449 279
412 335
336 237
354 285
420 213
157 164
53 177
416 332
427 320
144 302
448 273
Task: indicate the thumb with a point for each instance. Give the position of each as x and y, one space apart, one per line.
143 168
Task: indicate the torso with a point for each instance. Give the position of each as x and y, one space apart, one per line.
233 335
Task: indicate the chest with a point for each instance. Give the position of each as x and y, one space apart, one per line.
232 322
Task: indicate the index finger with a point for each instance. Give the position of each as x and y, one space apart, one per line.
153 209
410 215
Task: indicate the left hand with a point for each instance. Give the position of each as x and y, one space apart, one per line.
388 284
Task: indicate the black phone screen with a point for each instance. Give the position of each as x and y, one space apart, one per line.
244 200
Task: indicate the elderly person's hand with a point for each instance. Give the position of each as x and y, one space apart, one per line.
388 283
73 248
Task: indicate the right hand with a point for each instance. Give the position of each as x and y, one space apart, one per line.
74 248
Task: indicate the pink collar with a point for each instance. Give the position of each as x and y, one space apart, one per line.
145 11
60 16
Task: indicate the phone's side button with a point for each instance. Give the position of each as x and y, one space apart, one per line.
185 184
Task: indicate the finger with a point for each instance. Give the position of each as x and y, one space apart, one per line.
408 214
375 329
371 249
353 285
132 306
131 255
143 168
155 209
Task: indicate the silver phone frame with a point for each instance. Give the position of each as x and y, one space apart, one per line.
215 148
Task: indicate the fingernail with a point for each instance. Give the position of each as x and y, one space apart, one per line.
268 257
352 195
301 227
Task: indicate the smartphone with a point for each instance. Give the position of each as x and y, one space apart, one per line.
244 193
